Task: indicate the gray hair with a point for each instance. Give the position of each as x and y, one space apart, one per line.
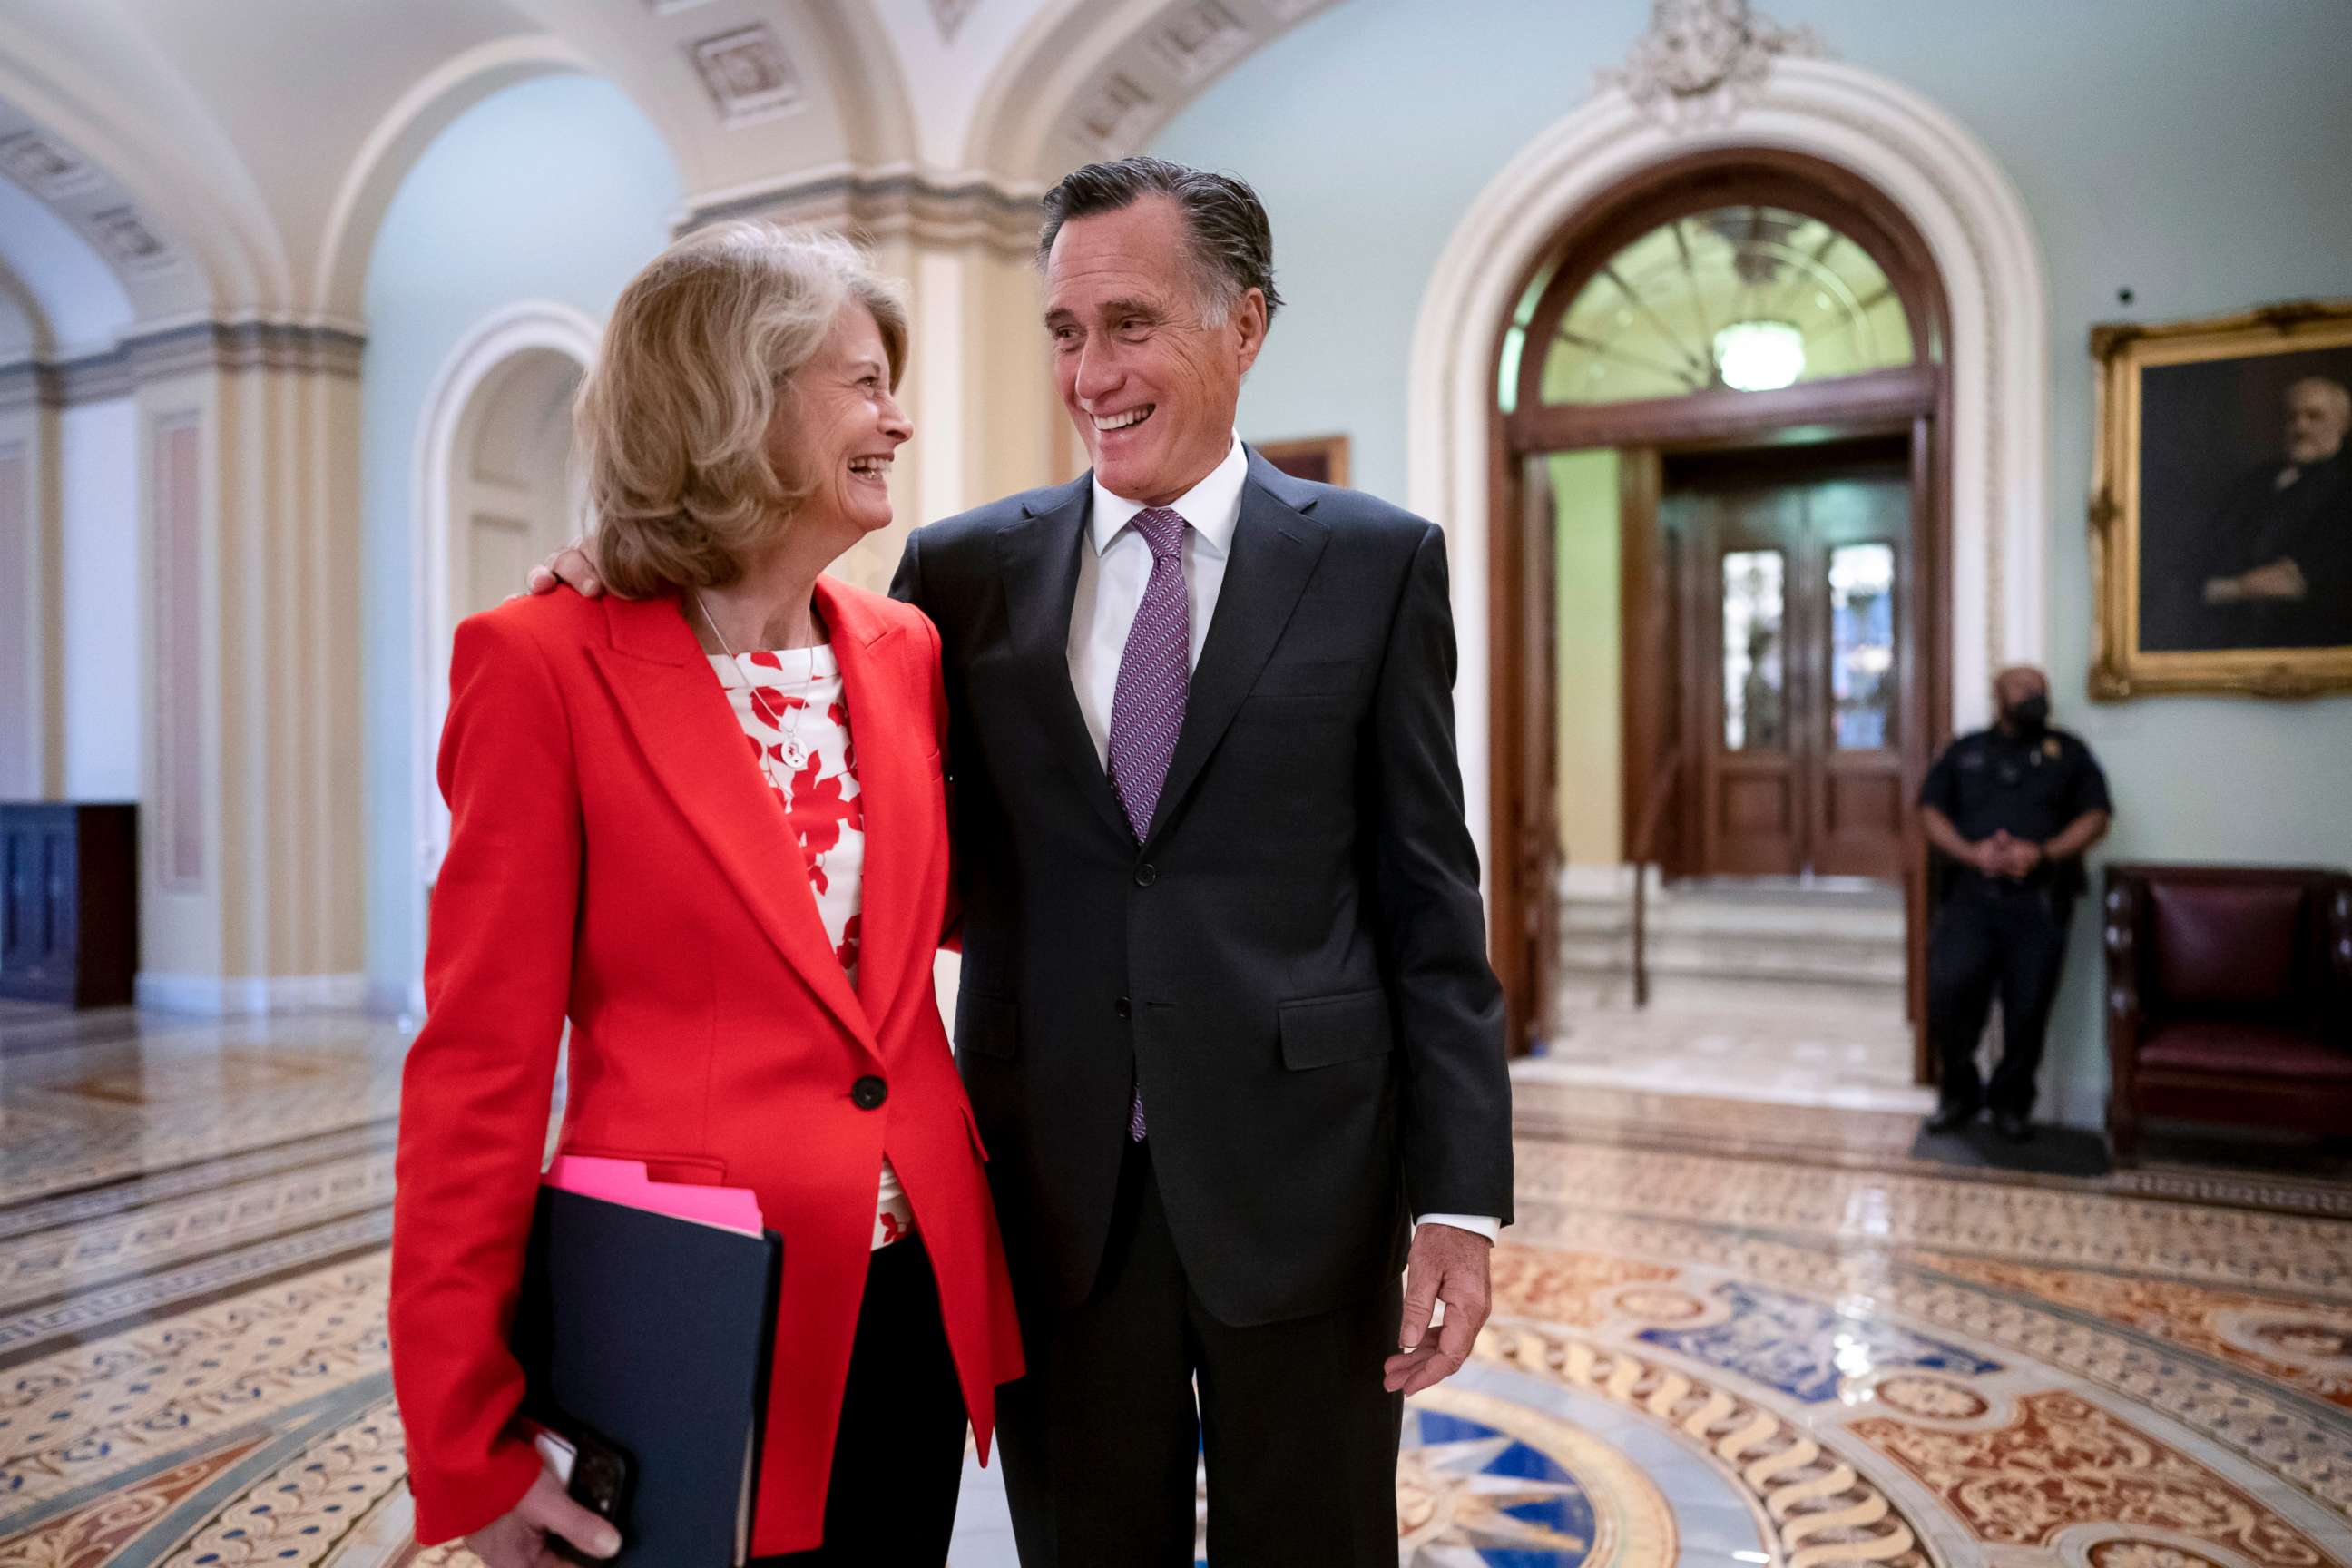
672 423
1233 245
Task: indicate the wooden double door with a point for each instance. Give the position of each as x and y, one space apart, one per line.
1792 585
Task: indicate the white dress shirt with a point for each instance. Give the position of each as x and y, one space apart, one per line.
1112 571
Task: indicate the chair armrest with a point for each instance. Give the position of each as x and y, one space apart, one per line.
2339 944
2119 940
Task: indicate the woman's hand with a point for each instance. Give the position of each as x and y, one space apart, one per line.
519 1537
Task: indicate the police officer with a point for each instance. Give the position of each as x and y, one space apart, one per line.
2014 806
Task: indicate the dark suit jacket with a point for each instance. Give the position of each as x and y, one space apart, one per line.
1292 963
2258 524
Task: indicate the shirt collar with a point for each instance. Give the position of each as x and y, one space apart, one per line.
1213 507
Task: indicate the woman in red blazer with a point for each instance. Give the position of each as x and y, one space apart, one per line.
706 824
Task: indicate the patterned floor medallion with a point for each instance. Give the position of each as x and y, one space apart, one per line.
1482 1480
2304 1344
2065 1461
1567 1286
300 1512
1806 1349
1929 1398
92 1534
1725 1337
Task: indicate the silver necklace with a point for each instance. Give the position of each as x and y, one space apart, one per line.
795 750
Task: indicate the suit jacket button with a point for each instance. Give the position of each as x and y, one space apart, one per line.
1122 1007
869 1092
1146 874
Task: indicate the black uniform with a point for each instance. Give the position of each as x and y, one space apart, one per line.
1998 931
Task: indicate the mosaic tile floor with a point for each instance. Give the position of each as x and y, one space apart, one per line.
1726 1333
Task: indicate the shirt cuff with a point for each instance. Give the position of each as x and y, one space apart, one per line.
1485 1224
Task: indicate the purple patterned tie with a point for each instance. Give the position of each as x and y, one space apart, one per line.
1146 708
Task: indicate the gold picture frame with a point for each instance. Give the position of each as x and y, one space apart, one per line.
2187 488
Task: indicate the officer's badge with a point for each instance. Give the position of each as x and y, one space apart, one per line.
2050 748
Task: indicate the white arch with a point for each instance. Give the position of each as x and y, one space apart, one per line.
339 285
511 330
1974 224
175 164
1092 78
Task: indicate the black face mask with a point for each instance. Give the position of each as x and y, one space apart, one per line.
2031 717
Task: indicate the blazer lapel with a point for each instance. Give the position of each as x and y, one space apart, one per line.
1040 557
691 741
1276 546
892 742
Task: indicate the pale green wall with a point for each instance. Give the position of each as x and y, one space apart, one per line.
2196 152
1591 674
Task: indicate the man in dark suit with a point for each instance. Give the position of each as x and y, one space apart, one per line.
2286 532
1226 1019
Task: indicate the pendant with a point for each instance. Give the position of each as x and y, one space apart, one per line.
795 754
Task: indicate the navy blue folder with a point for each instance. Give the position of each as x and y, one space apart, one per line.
652 1334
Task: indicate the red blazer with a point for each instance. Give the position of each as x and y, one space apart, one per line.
616 858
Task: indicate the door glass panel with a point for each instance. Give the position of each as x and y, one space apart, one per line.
1862 647
1755 682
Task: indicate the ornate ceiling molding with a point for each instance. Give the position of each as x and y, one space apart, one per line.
1098 80
748 74
54 172
189 348
123 237
48 167
890 206
949 15
1706 60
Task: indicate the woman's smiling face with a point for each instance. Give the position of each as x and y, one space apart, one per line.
838 422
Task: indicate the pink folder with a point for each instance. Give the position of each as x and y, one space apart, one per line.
626 1182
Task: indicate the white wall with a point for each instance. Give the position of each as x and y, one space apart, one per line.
553 189
103 540
2184 150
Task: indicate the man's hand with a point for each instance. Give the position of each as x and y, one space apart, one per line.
518 1538
2281 579
2224 591
568 567
1991 855
2020 857
1446 1265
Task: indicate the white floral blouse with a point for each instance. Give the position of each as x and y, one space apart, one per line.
791 705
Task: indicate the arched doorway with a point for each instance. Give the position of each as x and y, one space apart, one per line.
511 497
1720 466
495 492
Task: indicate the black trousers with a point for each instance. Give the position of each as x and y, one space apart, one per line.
897 1458
1103 1438
1986 938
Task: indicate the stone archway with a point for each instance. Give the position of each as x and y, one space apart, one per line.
495 492
1945 182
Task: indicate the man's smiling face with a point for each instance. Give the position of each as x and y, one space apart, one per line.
1150 380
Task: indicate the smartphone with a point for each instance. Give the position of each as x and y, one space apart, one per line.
594 1474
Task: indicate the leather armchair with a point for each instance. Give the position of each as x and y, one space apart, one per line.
2229 998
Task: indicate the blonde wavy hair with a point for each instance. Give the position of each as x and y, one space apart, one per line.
672 423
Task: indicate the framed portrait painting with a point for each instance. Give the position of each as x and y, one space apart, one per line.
2222 504
1322 459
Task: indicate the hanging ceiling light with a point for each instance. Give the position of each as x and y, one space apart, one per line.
1758 356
